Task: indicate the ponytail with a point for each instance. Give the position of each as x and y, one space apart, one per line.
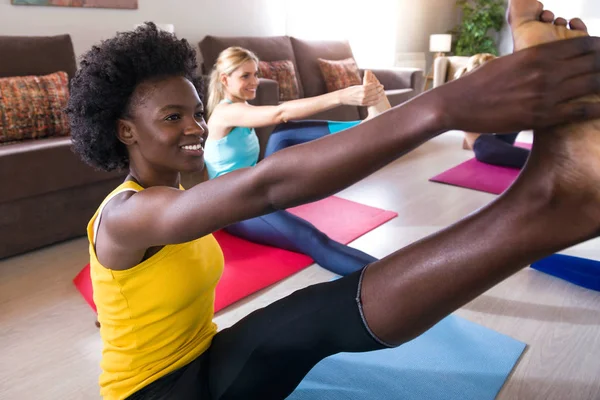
215 92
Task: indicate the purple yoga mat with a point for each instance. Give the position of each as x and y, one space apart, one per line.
476 175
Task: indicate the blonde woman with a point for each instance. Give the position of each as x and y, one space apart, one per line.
232 144
492 149
234 81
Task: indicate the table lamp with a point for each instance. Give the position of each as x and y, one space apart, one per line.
440 44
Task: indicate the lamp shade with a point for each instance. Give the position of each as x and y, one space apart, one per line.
441 43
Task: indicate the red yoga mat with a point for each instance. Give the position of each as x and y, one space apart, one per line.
250 267
473 174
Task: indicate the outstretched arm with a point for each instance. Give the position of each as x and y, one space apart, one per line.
242 114
526 90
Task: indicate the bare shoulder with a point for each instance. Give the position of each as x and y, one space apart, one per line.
112 222
223 119
128 224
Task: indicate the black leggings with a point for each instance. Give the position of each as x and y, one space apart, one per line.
500 150
268 353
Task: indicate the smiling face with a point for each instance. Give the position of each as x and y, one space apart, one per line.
166 129
242 83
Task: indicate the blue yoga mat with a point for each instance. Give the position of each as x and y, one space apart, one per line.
455 360
577 270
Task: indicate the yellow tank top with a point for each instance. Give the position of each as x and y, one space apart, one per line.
157 316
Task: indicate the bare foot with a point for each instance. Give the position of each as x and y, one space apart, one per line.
574 148
531 25
380 107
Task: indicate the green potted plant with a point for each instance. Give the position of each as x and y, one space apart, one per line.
481 23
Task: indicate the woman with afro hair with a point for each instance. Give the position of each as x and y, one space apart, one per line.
135 105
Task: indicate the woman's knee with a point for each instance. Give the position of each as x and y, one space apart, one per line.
483 147
315 238
276 143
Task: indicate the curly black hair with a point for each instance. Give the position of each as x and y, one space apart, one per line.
101 91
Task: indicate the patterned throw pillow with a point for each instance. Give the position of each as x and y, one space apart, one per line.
31 107
339 74
283 72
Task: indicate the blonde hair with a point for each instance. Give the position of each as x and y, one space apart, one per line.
474 62
228 61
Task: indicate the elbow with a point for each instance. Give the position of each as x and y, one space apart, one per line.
265 183
281 114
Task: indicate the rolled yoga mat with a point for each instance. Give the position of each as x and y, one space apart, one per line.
250 267
577 270
455 360
473 174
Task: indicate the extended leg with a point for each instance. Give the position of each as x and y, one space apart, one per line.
498 150
554 204
284 230
297 132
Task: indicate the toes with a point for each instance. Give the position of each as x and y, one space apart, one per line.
547 16
577 25
522 11
561 22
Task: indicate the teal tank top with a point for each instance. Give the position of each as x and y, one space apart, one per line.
239 149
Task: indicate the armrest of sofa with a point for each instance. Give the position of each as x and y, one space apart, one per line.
445 68
440 71
400 78
267 93
34 167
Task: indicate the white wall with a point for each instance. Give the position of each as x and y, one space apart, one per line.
393 28
382 32
370 29
417 19
379 30
193 19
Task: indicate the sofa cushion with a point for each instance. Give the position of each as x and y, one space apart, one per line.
271 48
307 52
339 74
36 55
32 107
283 72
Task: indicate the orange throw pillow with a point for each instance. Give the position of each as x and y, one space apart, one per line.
284 73
32 107
339 74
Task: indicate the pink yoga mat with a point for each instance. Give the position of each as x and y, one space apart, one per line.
250 267
476 175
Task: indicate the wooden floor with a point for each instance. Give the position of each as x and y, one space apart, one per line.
50 348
